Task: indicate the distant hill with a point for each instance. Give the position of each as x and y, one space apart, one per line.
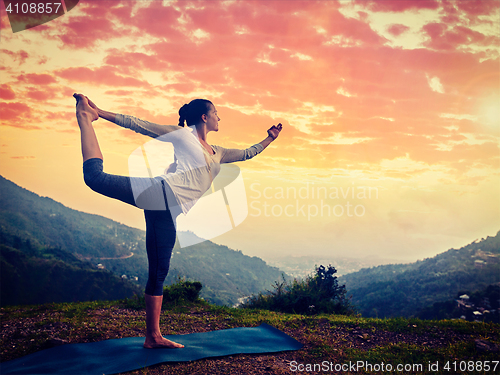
226 274
35 275
405 289
49 223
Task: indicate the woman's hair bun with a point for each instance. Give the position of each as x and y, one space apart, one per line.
182 114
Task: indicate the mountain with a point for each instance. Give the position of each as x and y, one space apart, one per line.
26 218
33 274
405 289
50 223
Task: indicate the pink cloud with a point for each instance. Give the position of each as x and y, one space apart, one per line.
397 5
85 32
94 21
451 14
105 75
126 93
292 7
133 61
397 29
183 55
275 19
434 30
443 38
470 36
156 20
20 56
36 79
242 30
18 115
38 95
6 92
212 19
478 7
351 28
12 111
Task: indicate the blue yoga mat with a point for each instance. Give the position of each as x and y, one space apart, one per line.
128 354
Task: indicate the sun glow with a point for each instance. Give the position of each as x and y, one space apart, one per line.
490 112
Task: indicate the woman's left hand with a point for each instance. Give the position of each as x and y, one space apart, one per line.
274 131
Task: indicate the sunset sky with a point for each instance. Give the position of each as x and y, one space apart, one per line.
390 107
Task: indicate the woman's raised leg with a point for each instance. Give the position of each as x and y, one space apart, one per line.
113 186
85 115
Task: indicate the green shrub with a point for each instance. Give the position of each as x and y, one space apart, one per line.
182 291
316 294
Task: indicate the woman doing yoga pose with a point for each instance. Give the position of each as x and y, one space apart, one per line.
164 197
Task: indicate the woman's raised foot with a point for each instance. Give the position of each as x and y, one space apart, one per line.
83 109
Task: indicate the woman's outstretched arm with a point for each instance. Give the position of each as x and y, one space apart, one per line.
133 123
233 155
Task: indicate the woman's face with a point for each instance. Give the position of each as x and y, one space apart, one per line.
212 120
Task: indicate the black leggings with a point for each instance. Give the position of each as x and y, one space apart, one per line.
160 224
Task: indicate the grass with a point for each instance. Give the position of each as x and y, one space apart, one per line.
329 340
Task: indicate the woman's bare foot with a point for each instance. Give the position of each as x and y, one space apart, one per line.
84 116
83 109
160 342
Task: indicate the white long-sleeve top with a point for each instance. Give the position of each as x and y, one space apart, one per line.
196 167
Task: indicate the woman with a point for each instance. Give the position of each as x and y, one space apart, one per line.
166 196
